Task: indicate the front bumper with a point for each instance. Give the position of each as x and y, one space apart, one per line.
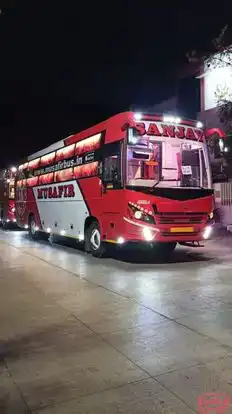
139 232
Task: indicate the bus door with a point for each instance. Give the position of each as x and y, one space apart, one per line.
112 200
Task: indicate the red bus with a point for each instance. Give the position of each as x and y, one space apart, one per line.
7 197
132 178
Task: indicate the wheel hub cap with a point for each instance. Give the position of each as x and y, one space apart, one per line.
33 227
95 239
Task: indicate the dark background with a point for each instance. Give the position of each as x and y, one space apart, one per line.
67 65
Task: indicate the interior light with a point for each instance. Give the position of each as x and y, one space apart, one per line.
171 119
167 118
199 124
138 116
120 240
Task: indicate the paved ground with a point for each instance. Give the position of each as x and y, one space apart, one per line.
82 335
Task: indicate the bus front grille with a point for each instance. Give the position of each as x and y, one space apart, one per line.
180 218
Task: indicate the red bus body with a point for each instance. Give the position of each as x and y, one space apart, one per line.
7 198
119 174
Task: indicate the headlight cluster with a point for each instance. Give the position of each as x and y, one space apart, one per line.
139 213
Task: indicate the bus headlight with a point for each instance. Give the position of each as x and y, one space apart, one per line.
207 232
120 240
147 234
136 212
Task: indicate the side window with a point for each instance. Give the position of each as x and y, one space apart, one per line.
12 191
111 173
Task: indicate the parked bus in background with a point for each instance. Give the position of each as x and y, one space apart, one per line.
7 197
132 178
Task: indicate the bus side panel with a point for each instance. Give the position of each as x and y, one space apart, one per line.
32 207
91 191
25 204
113 208
64 213
107 207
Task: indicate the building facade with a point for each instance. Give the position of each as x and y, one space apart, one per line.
215 86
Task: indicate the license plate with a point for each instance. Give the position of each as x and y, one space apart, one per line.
182 230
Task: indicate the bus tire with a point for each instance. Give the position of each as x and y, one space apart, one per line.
164 250
5 225
33 233
93 242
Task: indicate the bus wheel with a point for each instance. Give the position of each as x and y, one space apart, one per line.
164 250
93 243
5 225
33 233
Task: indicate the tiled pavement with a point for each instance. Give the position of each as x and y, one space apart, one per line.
81 335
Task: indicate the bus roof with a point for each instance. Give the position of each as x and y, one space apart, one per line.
50 148
112 124
112 127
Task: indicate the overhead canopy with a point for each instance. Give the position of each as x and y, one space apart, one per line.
209 132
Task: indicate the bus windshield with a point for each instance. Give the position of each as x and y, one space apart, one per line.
167 162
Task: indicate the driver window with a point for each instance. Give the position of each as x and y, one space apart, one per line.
112 165
191 165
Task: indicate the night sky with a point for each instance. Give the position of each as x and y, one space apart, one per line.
68 65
